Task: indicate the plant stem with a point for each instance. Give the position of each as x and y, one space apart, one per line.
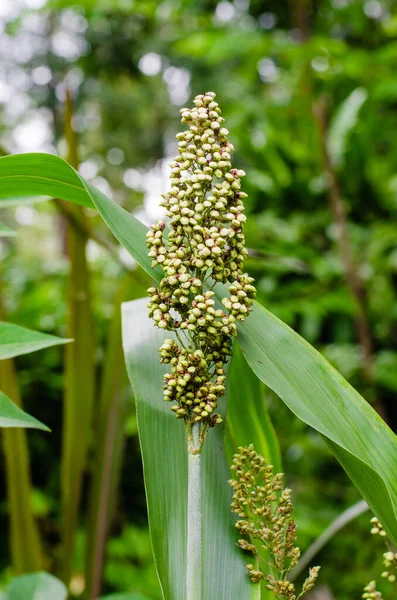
193 570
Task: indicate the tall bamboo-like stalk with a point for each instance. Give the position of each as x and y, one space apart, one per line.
79 369
110 445
24 536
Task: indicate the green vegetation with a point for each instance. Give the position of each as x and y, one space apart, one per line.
308 93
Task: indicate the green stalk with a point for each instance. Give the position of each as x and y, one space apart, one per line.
79 371
193 568
108 455
24 536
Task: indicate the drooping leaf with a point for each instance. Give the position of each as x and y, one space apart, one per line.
164 456
343 123
16 340
248 420
6 231
34 174
303 379
22 174
37 586
13 416
321 397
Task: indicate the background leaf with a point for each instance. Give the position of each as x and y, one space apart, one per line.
37 586
342 124
13 416
16 340
164 457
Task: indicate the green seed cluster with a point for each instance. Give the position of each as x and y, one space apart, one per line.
371 593
389 562
205 245
265 510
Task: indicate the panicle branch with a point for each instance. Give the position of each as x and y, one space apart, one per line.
265 509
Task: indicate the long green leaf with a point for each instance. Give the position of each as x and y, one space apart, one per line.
22 174
16 340
13 416
36 586
304 380
321 397
248 420
164 456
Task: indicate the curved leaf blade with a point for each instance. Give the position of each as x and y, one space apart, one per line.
13 416
321 397
164 457
16 340
36 174
22 175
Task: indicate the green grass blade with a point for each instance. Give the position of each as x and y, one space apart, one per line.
35 174
164 456
248 420
318 394
16 340
13 416
37 586
22 174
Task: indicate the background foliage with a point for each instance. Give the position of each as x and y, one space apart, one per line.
308 90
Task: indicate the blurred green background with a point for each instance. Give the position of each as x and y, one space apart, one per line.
309 92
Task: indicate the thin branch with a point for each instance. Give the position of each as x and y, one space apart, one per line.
352 278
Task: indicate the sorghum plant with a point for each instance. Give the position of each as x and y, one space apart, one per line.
265 510
205 244
389 562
